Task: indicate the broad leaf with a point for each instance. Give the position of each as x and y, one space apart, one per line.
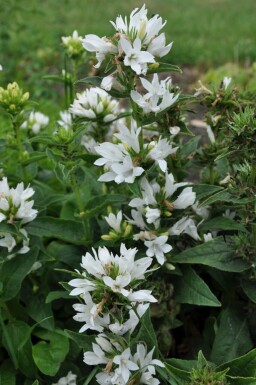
221 223
49 227
216 253
82 340
244 366
13 272
190 288
49 355
249 287
232 337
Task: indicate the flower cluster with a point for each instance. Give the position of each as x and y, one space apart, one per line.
12 99
112 303
121 366
158 97
136 43
16 206
124 159
36 121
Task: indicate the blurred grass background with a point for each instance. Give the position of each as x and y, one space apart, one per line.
206 33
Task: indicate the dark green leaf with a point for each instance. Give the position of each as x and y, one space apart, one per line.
49 355
7 373
34 157
216 253
13 272
221 223
190 288
83 341
203 190
232 337
249 287
41 312
244 366
53 295
49 227
189 147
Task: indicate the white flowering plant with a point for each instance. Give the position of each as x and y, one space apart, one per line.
127 243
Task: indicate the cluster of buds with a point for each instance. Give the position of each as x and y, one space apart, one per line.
12 99
73 45
16 207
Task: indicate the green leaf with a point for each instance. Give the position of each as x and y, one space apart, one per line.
11 229
186 365
203 190
146 332
69 254
82 340
49 355
216 253
95 205
232 338
249 288
13 272
65 230
189 147
7 373
241 380
221 223
41 312
162 67
34 157
244 366
53 295
36 382
19 336
190 288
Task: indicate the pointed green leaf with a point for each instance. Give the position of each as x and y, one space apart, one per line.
190 288
232 337
216 253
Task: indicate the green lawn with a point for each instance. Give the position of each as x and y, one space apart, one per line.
205 32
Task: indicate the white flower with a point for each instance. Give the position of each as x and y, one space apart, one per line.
229 214
118 284
146 361
120 328
1 67
125 364
89 143
157 46
158 97
107 83
70 379
152 215
208 237
203 212
226 82
141 296
115 221
130 137
186 198
89 315
124 171
148 191
157 248
15 203
36 121
185 225
102 47
174 130
25 248
96 357
65 120
159 151
7 241
134 56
